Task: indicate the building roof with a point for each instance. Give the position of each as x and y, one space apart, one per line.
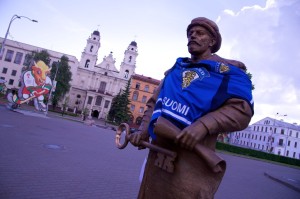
96 32
133 43
145 79
278 123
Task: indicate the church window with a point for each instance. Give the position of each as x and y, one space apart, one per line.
98 101
102 87
105 73
106 104
91 49
87 63
90 99
130 57
135 96
126 74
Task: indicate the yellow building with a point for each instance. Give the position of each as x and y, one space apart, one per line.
141 89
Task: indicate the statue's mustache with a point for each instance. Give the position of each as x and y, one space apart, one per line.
193 42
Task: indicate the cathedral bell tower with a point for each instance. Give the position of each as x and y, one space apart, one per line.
127 67
90 54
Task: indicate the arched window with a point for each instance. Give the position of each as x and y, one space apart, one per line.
87 62
126 74
102 87
130 57
91 49
135 96
98 101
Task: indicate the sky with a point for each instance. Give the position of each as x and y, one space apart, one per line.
263 34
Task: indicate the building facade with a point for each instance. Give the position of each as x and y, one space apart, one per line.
141 89
271 136
15 57
93 85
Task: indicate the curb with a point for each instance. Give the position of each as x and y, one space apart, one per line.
282 182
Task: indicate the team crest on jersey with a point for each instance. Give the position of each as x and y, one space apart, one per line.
188 76
223 68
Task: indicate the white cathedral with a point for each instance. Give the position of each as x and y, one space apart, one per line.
93 85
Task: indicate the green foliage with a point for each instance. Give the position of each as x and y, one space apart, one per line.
119 111
257 154
65 104
62 74
36 56
42 55
250 76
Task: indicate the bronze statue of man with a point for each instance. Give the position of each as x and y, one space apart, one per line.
200 97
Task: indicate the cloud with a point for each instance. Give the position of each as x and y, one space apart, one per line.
265 39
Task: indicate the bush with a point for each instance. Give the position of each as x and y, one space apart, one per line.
257 154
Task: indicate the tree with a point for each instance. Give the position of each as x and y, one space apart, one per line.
35 56
250 76
65 104
119 111
42 55
62 74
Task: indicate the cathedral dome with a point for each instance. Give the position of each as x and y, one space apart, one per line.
133 43
96 32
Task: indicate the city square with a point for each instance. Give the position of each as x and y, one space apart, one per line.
51 156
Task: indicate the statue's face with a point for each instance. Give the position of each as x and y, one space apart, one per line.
199 40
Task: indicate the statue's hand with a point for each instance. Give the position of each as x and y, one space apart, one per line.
190 136
137 137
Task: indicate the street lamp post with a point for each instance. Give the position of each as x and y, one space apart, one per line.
11 20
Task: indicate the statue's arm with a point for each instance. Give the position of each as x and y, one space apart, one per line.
142 132
234 115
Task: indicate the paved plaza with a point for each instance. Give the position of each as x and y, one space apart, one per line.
50 157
